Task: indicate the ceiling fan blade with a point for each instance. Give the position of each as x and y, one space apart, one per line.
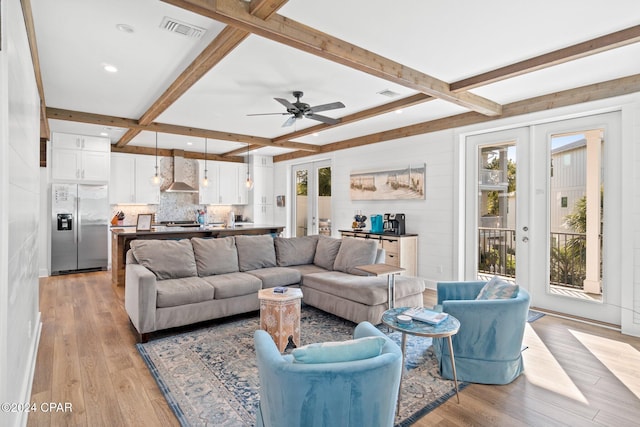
291 120
323 119
325 107
267 114
289 106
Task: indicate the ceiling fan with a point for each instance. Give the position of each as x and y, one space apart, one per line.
299 110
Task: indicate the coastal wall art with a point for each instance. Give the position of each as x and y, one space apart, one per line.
394 183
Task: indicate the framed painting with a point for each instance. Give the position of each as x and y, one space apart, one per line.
394 183
144 222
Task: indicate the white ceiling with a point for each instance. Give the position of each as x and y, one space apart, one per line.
447 39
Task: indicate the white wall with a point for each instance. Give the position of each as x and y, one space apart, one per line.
439 218
19 213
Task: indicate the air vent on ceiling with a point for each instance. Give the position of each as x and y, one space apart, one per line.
388 93
182 28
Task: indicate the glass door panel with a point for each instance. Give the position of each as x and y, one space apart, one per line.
312 204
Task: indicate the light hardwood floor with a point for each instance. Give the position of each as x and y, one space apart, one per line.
576 374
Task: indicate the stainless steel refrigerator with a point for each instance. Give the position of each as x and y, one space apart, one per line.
79 227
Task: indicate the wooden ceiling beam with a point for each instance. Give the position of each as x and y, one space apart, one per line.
224 43
307 39
164 152
593 92
112 121
560 56
35 58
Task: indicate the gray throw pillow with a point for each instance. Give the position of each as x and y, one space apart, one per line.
295 250
326 252
167 259
355 252
255 252
215 256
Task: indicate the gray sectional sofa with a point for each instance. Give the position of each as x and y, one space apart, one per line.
172 283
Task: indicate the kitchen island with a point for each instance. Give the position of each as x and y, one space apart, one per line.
121 238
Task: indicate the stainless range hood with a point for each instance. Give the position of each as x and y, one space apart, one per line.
178 185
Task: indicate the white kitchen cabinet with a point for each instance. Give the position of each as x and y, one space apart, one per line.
226 183
80 158
262 199
130 180
208 195
145 192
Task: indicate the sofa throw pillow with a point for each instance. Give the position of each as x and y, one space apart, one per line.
255 252
215 256
498 288
355 252
334 352
167 259
326 252
295 250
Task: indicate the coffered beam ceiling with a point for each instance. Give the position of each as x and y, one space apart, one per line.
299 36
564 98
224 43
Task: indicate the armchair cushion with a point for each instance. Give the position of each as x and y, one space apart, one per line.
497 288
345 351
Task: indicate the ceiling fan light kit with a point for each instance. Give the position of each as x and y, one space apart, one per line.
299 110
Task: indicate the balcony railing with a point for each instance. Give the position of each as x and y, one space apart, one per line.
497 255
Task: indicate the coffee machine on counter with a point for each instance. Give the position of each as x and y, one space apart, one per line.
394 223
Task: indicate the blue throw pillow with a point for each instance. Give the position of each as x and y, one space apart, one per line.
498 288
345 351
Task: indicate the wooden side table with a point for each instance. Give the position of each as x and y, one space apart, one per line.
381 270
280 315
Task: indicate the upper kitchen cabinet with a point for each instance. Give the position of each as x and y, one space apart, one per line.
80 158
130 180
262 190
226 183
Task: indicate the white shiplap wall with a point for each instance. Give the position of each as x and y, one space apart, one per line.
19 213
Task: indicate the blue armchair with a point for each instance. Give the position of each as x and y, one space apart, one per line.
487 349
355 393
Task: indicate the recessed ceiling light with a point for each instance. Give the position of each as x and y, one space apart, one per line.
315 134
110 68
189 143
104 134
125 28
399 111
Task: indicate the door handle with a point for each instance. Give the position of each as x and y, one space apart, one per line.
525 239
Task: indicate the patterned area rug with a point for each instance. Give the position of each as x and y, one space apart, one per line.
210 377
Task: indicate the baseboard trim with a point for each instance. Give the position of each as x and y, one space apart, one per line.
43 272
33 356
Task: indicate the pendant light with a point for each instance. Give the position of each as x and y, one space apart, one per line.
249 181
205 180
156 180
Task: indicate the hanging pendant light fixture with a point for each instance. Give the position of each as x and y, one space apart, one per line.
156 180
205 180
249 181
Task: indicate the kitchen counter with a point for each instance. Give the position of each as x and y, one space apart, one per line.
121 238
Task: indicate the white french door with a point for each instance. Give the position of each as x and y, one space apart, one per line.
311 207
540 210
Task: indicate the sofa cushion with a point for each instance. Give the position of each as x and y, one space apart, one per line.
308 269
167 259
295 250
215 256
277 276
326 252
367 290
234 285
336 352
355 252
498 288
176 292
255 252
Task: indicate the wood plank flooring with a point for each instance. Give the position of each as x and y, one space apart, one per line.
576 374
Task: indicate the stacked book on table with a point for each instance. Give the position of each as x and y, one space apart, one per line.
425 315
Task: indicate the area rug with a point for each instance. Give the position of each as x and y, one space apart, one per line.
532 316
210 378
